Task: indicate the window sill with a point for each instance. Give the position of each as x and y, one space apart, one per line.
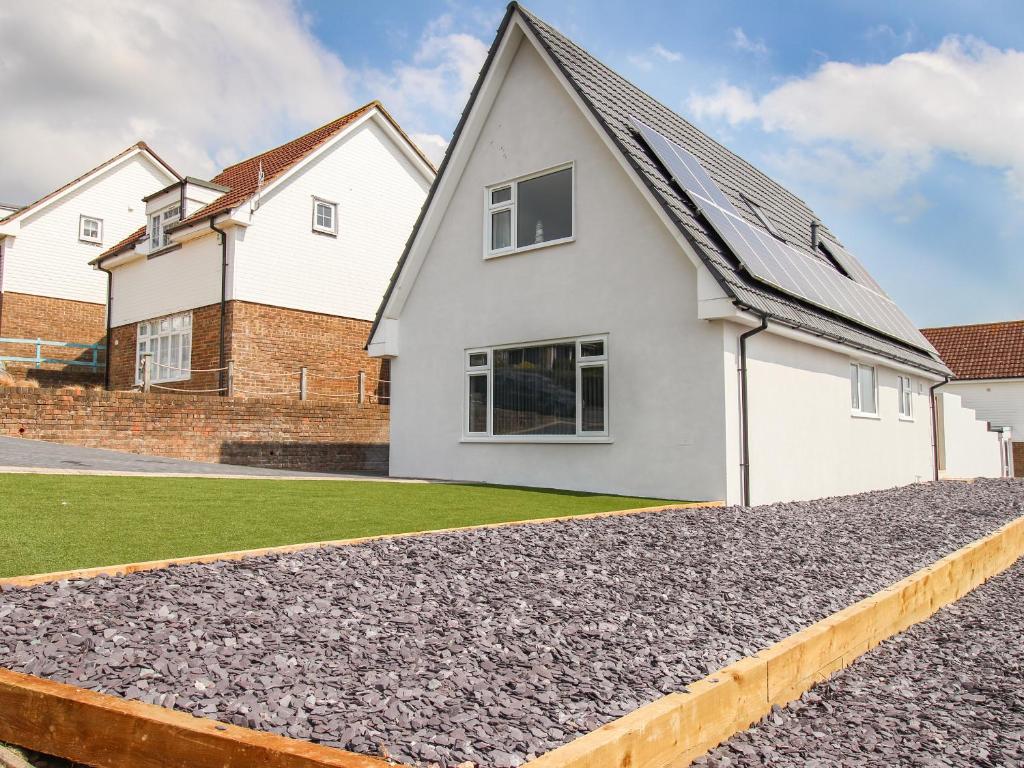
909 419
326 232
162 250
869 416
528 248
97 243
540 440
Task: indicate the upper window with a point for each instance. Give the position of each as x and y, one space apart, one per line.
554 390
530 212
158 222
906 397
168 341
863 390
325 216
90 229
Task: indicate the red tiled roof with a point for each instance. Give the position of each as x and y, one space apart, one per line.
124 245
985 351
138 145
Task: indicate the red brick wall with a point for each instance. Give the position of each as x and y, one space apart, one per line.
268 346
24 316
205 352
270 432
1018 459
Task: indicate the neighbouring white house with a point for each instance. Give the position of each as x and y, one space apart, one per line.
988 365
47 288
278 263
600 297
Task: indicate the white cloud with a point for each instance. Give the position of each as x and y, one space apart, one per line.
204 83
958 98
741 42
653 55
432 145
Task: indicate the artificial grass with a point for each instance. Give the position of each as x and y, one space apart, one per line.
59 522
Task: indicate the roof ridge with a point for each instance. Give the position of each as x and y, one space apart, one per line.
282 145
991 324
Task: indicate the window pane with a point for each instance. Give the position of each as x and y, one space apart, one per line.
545 208
591 348
854 388
174 361
186 354
592 386
535 390
478 403
502 195
867 389
476 359
501 230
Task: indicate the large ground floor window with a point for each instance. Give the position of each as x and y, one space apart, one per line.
168 341
545 391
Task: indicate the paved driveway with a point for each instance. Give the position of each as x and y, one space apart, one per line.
19 454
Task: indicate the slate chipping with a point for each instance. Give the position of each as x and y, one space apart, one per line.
493 645
948 692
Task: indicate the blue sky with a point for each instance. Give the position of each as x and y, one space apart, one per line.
900 124
948 243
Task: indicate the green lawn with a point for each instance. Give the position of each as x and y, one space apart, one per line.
59 522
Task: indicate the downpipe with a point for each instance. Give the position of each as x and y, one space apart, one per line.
935 425
109 341
222 375
744 422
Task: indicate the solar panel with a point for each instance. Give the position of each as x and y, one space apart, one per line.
778 264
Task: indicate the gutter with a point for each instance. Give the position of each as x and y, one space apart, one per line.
106 357
935 425
223 299
744 423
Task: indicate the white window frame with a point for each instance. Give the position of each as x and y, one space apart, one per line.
513 204
158 373
333 229
905 390
581 436
157 226
855 404
98 239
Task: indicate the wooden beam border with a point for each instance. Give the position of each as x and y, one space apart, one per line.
107 731
676 729
152 565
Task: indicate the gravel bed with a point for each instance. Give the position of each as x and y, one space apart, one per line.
488 646
948 692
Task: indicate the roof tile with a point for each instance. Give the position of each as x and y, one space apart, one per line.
984 351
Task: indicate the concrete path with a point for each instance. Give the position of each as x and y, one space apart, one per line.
36 456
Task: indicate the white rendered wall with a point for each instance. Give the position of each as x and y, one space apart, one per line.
624 276
999 402
969 449
281 261
172 282
804 442
46 258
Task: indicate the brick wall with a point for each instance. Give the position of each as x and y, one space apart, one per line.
269 345
1018 459
271 432
24 316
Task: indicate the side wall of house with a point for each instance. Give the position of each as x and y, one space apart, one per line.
624 276
281 261
805 442
46 257
968 449
999 402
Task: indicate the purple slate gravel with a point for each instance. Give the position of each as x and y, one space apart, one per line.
948 692
488 646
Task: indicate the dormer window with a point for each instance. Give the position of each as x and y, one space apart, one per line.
158 237
90 229
762 217
325 216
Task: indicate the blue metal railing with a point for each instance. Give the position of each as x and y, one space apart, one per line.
39 360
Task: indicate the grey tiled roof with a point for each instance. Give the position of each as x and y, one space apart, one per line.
613 100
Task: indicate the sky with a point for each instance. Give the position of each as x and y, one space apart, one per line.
900 124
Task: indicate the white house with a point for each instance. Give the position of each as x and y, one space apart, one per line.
988 362
277 263
47 288
581 307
